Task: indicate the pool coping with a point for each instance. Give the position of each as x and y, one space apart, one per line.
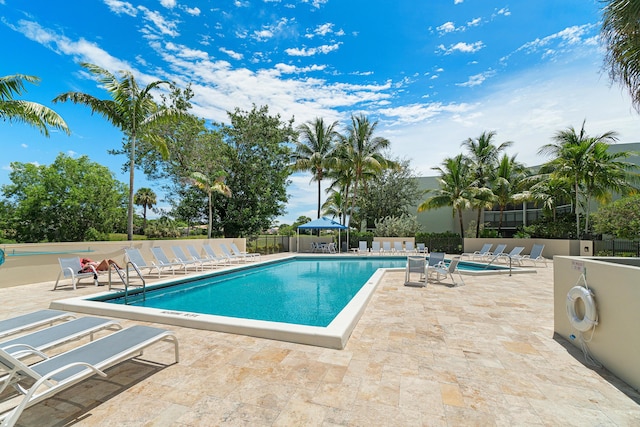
335 335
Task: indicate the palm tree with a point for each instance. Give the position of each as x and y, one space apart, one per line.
455 188
572 160
146 198
216 185
620 34
315 152
334 205
484 158
28 112
545 190
507 181
132 110
361 152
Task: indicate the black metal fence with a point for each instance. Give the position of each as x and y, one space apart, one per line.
449 244
268 244
616 247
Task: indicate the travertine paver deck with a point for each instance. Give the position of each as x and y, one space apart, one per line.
482 354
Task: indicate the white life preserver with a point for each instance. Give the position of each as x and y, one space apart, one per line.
590 318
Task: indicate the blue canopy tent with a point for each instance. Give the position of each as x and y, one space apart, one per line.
323 223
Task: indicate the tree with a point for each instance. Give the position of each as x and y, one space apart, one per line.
572 160
390 194
210 186
334 205
315 151
507 182
620 218
132 110
31 113
455 188
257 170
69 200
620 34
146 198
483 155
361 152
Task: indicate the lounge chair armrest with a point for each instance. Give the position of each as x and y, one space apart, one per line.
26 350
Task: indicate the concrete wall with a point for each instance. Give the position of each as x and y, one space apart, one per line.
615 283
42 264
552 247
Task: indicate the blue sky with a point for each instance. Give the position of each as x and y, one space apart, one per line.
433 73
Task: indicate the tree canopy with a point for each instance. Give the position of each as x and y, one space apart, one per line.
69 200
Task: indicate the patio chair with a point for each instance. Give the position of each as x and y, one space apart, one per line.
227 254
416 265
442 270
212 254
498 251
421 248
134 256
183 258
397 248
74 366
375 247
213 262
486 248
514 255
409 247
71 268
386 247
250 255
53 336
362 248
535 255
162 261
32 320
331 248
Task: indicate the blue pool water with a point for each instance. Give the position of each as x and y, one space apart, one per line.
303 291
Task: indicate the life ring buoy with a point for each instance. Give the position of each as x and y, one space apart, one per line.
590 318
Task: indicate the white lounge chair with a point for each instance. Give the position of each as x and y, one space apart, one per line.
69 368
442 270
421 248
212 254
162 261
535 255
410 248
184 259
362 247
397 248
71 268
486 248
62 333
232 257
32 320
386 247
498 251
249 255
213 262
513 256
415 265
134 256
375 247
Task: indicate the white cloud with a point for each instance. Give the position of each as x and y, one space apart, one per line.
447 27
119 7
24 145
477 79
192 11
160 24
231 53
462 47
169 4
561 42
313 50
457 1
71 153
292 69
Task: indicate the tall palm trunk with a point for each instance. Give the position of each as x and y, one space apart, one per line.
132 164
461 225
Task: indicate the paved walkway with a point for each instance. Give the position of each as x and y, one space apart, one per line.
482 354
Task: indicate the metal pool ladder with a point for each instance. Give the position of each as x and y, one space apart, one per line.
124 278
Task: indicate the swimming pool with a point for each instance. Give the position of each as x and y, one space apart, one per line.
333 334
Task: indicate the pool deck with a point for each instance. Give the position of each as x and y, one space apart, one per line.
482 354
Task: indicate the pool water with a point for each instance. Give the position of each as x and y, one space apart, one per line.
301 291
